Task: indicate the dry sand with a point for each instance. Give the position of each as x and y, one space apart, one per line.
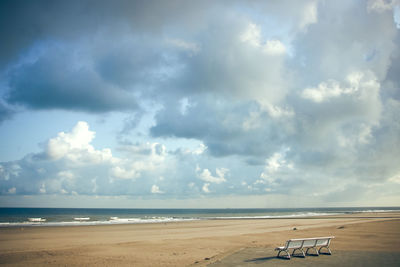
196 243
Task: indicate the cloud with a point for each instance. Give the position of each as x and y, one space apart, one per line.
244 82
125 173
395 179
188 46
224 126
70 164
5 112
310 14
61 79
240 58
205 188
145 149
12 190
252 36
39 21
277 171
75 147
275 162
206 175
381 5
346 46
357 84
156 190
186 152
51 61
79 139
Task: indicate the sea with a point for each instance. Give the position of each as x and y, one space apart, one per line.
39 217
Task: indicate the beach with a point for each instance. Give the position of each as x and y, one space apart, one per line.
199 243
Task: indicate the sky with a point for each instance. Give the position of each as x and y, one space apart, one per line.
199 104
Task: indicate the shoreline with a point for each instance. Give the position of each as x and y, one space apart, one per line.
162 220
185 243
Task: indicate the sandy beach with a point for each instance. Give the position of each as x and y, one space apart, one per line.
199 243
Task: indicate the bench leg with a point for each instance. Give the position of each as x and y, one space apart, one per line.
329 251
302 252
287 256
315 249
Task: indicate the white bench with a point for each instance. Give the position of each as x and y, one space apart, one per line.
308 243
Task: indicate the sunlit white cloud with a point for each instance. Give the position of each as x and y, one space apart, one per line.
206 175
252 36
156 190
356 84
381 5
75 147
12 190
206 188
70 162
309 14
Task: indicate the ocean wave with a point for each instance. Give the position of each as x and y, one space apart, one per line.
101 219
307 214
115 220
377 211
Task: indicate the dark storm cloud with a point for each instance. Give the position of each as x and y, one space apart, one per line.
85 55
392 89
25 22
53 82
5 112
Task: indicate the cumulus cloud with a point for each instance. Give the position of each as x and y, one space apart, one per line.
332 89
276 169
206 188
197 151
78 139
156 190
125 173
206 175
70 164
75 147
252 36
381 5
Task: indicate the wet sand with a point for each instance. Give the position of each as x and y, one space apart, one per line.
200 243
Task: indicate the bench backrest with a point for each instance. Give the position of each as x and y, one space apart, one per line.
294 243
308 242
323 242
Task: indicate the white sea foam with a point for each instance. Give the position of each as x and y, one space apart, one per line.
36 219
115 220
81 219
307 214
377 211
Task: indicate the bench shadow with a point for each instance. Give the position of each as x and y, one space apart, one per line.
282 258
266 259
